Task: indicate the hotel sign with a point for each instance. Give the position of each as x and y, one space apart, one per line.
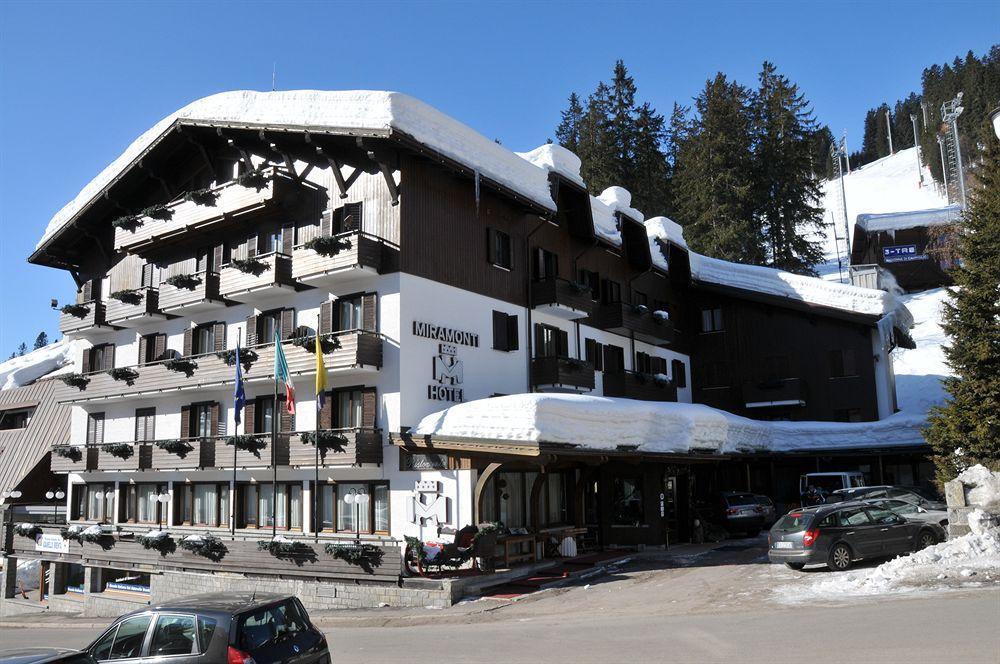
447 371
902 253
51 543
446 334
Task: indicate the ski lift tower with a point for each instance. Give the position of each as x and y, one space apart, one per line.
950 110
838 152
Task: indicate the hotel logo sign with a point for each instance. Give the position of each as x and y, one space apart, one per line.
902 253
428 504
447 371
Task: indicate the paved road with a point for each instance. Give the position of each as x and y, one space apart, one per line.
950 627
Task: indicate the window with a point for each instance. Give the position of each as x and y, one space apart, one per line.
639 298
847 415
201 420
123 641
842 363
149 274
546 265
268 241
642 363
498 246
173 635
504 331
151 347
614 358
611 292
716 374
337 515
100 358
594 353
270 621
677 373
15 419
855 516
142 505
711 320
259 502
99 501
882 516
95 428
347 409
626 502
348 313
201 504
203 339
268 323
555 499
593 280
347 219
145 424
550 341
205 260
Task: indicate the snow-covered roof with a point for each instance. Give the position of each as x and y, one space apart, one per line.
603 423
619 199
897 221
348 109
51 360
556 158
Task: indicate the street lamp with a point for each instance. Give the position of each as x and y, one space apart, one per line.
162 499
56 495
357 497
9 493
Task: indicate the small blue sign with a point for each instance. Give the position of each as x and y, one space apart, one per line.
902 253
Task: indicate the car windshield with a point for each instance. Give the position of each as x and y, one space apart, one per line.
898 506
923 492
269 624
794 521
741 499
825 483
763 500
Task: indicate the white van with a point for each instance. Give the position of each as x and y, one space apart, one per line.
827 483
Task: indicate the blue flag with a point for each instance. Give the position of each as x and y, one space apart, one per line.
239 397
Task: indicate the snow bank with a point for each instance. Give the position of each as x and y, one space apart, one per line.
619 199
604 423
897 221
19 371
605 223
982 488
919 371
349 110
553 157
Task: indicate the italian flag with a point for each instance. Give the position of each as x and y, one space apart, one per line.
281 374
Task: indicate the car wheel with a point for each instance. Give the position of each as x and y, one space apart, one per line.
925 539
796 566
840 558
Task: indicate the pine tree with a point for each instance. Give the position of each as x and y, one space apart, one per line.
22 349
787 190
568 131
41 340
713 183
966 430
650 182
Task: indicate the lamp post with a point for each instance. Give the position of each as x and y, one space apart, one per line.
161 500
56 495
9 493
357 497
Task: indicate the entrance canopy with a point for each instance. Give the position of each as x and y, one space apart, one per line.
537 423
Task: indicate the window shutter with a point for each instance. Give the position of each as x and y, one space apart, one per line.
252 330
140 426
286 420
500 341
369 312
326 317
218 253
287 324
217 424
538 340
326 223
352 217
512 333
85 366
489 246
368 408
220 337
287 239
109 357
142 350
326 413
188 339
185 421
249 416
563 343
159 346
677 373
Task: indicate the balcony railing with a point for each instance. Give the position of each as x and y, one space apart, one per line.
780 392
119 549
628 320
82 459
273 278
640 386
91 317
562 373
356 255
201 296
355 352
125 314
350 447
562 298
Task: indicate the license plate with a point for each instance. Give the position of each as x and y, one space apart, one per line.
782 545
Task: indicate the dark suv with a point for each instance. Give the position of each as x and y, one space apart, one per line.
232 628
841 533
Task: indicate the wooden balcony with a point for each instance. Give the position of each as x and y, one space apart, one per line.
139 460
275 279
203 296
360 446
87 460
562 374
780 392
360 255
91 320
640 386
561 298
226 455
120 550
233 202
356 353
124 314
200 455
627 320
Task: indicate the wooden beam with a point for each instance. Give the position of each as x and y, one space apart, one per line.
338 176
477 502
163 183
390 182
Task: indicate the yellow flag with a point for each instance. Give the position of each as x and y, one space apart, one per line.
320 376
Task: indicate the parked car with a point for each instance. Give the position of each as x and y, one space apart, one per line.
44 656
740 512
937 519
915 495
839 534
814 488
770 514
236 628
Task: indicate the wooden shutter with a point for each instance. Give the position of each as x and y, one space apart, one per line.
352 217
249 416
287 239
85 366
252 330
369 312
218 253
538 339
287 324
216 421
500 340
677 373
326 223
594 352
563 344
286 420
512 333
326 413
159 346
188 339
185 421
326 317
142 350
613 358
251 246
489 246
369 406
220 337
109 357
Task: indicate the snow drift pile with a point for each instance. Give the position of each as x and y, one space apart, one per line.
982 488
45 361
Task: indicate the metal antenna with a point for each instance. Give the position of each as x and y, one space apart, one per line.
274 76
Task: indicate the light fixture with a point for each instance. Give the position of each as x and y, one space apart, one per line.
60 494
50 494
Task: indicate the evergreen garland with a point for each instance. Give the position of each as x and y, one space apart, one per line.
158 540
76 380
208 546
120 450
327 343
131 296
280 547
126 374
249 442
251 265
27 529
129 222
181 365
188 281
247 357
254 179
326 245
78 310
72 533
70 452
179 447
205 196
327 440
366 556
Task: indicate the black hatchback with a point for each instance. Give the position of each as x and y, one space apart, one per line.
841 533
230 628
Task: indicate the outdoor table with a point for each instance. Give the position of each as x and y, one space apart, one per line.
510 541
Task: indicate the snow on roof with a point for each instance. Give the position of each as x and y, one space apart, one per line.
51 360
603 423
605 223
349 109
897 221
619 199
553 157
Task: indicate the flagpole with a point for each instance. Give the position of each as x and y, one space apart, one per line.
316 441
232 496
275 416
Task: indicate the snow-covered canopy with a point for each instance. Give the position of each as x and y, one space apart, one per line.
619 199
556 158
604 423
347 109
53 359
897 221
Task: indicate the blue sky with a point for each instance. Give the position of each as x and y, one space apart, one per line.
80 80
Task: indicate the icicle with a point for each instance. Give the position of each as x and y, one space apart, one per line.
477 192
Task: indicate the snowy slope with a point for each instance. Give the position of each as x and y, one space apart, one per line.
49 360
919 371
